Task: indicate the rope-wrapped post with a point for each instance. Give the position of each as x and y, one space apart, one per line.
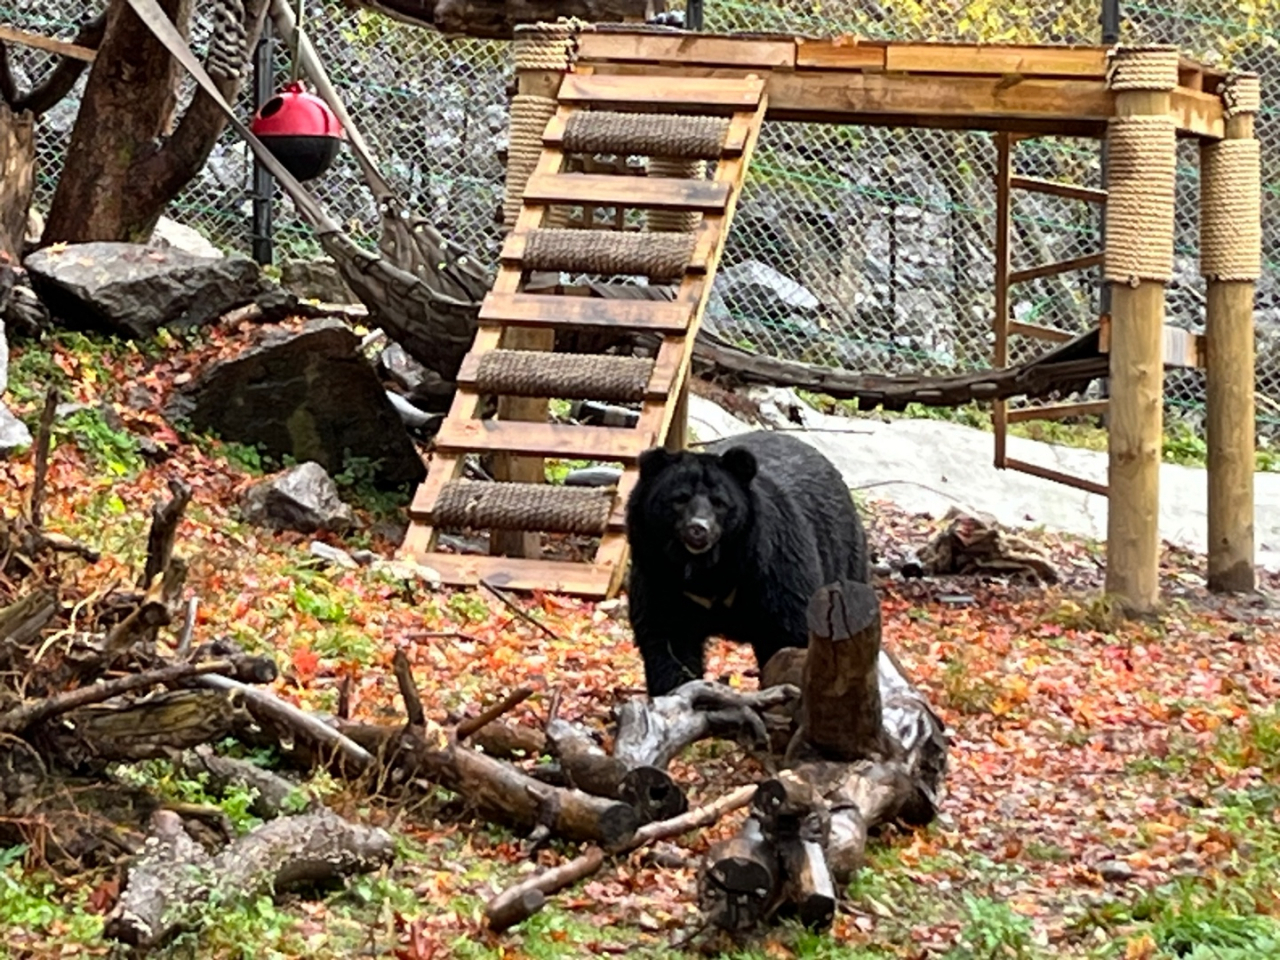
1231 260
542 52
1141 171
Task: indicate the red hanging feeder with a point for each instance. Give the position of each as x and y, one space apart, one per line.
300 131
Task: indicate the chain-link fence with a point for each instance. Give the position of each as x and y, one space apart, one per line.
865 247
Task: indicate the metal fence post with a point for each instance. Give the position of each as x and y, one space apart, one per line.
693 14
264 185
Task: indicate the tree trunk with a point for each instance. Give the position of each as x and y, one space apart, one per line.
497 19
17 179
128 157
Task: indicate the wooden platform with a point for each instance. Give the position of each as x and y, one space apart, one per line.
1022 89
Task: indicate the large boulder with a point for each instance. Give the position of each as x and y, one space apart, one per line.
305 393
316 280
134 290
14 434
302 498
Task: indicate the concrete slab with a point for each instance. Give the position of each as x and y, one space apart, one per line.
926 466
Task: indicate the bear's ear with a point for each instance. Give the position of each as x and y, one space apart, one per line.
653 462
740 463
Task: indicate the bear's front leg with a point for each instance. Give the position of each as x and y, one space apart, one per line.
670 660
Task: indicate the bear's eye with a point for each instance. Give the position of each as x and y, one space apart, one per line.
720 502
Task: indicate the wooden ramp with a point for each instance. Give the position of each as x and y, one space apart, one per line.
688 119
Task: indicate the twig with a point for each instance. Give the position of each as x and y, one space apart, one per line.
514 608
467 727
440 635
526 898
188 628
408 691
44 436
290 716
344 698
22 717
553 709
164 528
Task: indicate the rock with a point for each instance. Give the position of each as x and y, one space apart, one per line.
20 308
424 388
333 555
14 434
1114 871
426 424
306 394
316 280
169 234
302 498
134 290
407 570
751 294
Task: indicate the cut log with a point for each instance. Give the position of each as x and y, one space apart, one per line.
170 885
807 888
840 713
742 881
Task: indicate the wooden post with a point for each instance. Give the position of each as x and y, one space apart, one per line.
1230 258
1142 144
1004 173
529 83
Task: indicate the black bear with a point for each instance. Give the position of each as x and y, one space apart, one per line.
733 542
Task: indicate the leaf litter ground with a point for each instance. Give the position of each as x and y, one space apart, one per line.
1113 788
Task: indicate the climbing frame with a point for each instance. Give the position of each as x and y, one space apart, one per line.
680 125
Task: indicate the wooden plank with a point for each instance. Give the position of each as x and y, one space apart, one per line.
544 310
1067 107
646 193
748 52
841 53
1179 348
1039 331
1085 63
562 441
1057 476
514 573
1058 411
666 367
1198 114
1054 269
48 44
1067 190
658 92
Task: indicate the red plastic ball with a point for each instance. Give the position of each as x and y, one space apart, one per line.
293 112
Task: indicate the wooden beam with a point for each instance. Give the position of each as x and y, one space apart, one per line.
1179 348
1039 332
513 573
1068 191
1054 269
48 44
1001 325
1066 107
1057 476
1058 411
687 49
1088 63
1198 114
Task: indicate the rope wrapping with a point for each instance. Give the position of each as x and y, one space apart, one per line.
1141 169
483 505
1231 210
662 257
226 56
1143 68
1241 93
567 376
529 117
674 221
547 46
645 134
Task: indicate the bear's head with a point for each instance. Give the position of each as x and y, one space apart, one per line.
696 501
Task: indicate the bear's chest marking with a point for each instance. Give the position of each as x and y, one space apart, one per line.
709 602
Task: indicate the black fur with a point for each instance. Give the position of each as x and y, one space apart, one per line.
786 526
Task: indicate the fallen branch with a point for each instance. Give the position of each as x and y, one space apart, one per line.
20 718
170 886
281 714
515 608
164 529
414 713
473 725
44 436
526 898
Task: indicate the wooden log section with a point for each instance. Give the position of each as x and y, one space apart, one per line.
840 712
867 750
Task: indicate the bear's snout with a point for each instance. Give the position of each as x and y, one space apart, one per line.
697 534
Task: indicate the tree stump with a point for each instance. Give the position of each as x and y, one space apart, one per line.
17 178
